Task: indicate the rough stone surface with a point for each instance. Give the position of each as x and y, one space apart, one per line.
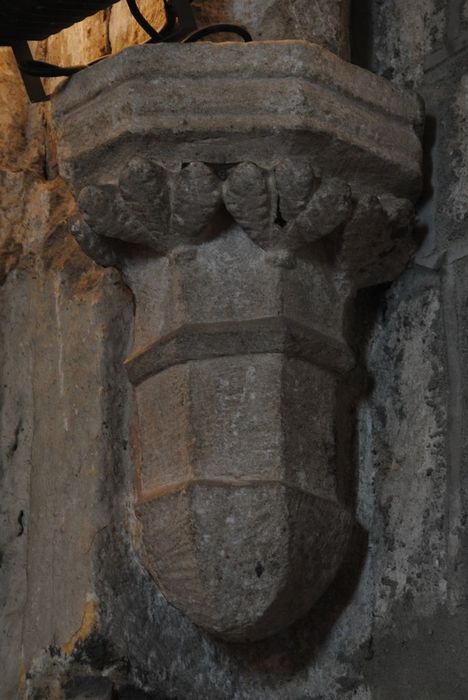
405 36
21 136
222 427
161 209
54 491
124 31
324 23
52 504
426 593
237 559
321 104
393 625
412 521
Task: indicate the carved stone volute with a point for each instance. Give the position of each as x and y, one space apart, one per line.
246 193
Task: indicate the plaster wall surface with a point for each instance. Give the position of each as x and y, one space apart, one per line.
79 617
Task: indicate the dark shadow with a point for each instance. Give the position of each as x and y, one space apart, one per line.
361 26
429 140
282 656
427 194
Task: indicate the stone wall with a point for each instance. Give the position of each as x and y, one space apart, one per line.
79 616
62 335
419 345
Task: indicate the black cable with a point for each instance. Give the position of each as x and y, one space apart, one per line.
142 21
218 29
41 69
48 70
171 19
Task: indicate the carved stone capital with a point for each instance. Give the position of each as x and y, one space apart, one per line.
246 192
287 209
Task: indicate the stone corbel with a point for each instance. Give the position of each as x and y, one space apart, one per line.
246 192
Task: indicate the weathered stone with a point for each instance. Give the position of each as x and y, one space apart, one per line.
21 134
404 475
404 37
208 539
321 23
254 437
230 279
16 436
61 500
89 688
155 207
240 352
225 339
454 310
125 31
234 422
357 127
54 507
406 454
414 509
187 207
377 241
79 44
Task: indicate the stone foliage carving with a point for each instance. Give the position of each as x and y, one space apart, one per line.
286 208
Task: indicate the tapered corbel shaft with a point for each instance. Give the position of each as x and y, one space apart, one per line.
246 192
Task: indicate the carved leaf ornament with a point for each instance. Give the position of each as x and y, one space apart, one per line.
287 208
